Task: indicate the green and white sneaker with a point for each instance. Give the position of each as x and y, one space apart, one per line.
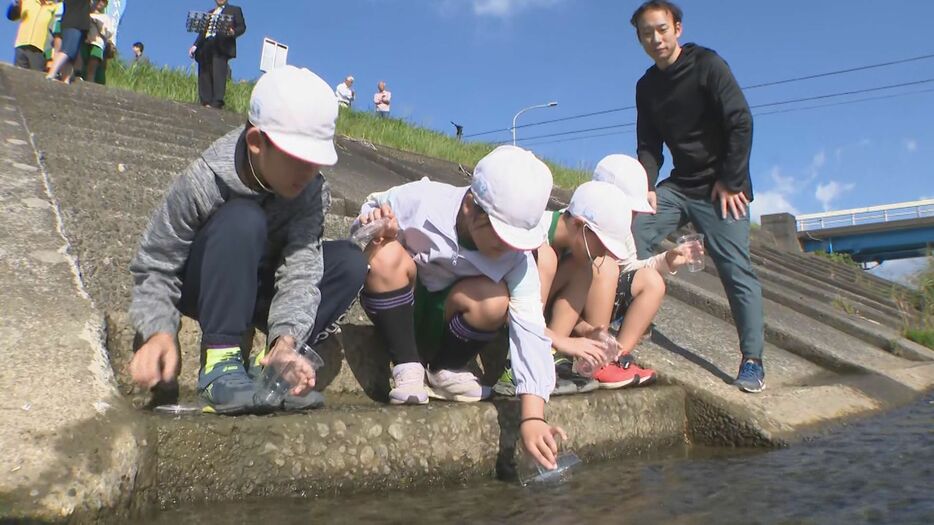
224 384
506 384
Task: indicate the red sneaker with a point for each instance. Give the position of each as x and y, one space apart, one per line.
615 376
645 375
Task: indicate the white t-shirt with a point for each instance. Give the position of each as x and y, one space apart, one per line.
344 94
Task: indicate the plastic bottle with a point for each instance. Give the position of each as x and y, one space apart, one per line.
367 232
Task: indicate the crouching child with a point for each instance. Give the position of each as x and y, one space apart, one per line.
237 243
449 270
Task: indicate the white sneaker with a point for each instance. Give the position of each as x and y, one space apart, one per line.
408 381
456 385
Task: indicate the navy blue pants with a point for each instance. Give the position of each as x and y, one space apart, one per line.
229 279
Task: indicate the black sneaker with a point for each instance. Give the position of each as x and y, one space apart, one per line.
564 372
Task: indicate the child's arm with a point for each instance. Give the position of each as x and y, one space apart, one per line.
163 250
532 363
665 262
295 305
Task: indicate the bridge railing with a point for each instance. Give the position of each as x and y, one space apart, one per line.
871 215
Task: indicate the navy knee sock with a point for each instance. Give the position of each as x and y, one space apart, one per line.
460 344
393 315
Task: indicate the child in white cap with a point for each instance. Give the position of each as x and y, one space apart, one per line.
453 267
592 257
236 243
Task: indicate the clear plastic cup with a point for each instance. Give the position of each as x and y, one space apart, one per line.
177 410
280 375
695 244
367 232
585 368
531 473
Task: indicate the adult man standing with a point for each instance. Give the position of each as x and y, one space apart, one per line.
35 18
690 101
213 48
381 100
138 56
345 93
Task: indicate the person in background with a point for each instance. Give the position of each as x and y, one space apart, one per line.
56 48
381 100
35 20
99 44
213 51
690 101
76 22
138 56
345 93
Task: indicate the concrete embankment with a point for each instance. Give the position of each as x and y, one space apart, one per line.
93 162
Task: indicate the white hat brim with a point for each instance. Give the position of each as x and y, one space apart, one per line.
305 148
616 247
518 238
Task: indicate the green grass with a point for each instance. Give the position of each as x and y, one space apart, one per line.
842 258
182 85
922 337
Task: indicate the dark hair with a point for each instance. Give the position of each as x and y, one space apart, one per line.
139 45
662 5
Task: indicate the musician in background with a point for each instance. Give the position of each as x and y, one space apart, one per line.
213 48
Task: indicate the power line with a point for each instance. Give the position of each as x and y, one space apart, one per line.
754 86
758 114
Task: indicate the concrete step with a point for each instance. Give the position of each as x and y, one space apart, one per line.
799 334
776 278
842 283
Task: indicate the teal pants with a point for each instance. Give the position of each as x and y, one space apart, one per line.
727 243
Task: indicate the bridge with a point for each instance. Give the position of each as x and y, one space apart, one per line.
874 234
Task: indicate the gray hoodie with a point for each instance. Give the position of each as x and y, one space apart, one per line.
294 241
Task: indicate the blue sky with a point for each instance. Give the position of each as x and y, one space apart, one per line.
478 61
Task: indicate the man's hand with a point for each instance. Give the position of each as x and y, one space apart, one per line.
156 361
294 368
191 51
653 200
384 211
735 202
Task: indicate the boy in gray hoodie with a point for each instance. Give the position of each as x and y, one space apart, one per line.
237 243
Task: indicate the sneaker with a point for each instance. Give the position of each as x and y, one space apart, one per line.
564 370
613 376
408 385
564 387
751 376
506 384
645 375
456 385
224 384
312 400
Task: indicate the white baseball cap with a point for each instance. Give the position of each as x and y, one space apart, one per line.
297 110
513 187
598 204
627 174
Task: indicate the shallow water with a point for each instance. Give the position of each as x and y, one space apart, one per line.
879 470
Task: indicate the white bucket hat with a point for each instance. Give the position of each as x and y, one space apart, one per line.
627 174
297 110
513 187
602 206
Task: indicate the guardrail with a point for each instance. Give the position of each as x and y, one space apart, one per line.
871 215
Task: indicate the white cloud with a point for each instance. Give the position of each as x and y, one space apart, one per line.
768 202
507 8
827 193
783 185
911 145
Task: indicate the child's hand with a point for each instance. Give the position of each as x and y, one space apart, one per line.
681 255
584 348
538 438
156 361
296 369
392 228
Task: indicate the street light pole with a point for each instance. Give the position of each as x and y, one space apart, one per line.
523 110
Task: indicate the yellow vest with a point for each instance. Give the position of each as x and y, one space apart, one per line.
35 21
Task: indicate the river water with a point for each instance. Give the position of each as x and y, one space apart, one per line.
878 470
